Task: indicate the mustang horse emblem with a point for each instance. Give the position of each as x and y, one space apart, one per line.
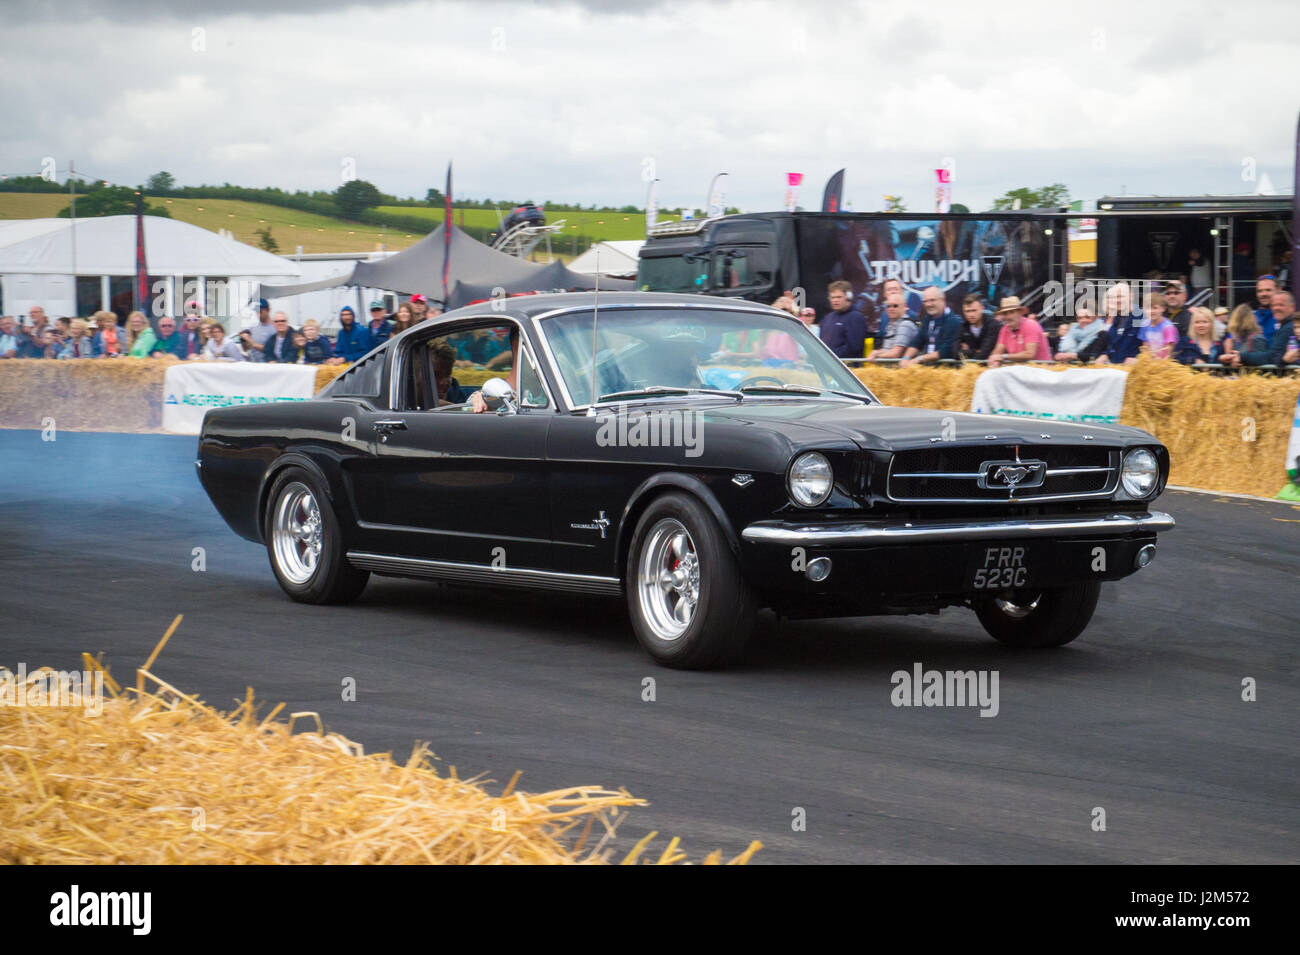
1012 474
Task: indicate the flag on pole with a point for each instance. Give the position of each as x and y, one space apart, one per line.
792 181
141 269
717 197
943 190
833 197
1295 217
447 226
651 207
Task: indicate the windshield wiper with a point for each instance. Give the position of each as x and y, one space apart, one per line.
655 391
801 390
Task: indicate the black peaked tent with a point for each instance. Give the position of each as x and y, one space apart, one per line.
476 271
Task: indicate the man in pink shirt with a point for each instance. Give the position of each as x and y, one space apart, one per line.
1021 338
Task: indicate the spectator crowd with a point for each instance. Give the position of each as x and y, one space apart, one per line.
924 330
910 328
197 338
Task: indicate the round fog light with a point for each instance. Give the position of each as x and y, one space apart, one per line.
1145 556
819 568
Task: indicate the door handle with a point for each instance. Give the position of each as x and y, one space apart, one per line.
386 426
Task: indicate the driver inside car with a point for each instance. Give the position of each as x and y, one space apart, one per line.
450 391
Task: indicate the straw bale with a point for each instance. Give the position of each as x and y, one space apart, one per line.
83 394
1223 433
327 373
159 777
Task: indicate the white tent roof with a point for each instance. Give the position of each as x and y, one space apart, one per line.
617 257
106 246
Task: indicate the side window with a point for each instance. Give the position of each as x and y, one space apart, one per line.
749 266
462 360
730 271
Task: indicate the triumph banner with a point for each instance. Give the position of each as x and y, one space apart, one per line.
191 388
1079 394
993 258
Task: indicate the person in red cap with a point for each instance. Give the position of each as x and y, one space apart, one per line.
419 308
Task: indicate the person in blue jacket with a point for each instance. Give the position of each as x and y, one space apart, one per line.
1128 325
353 340
380 327
939 333
843 328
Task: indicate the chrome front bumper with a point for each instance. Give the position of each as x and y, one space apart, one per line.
872 533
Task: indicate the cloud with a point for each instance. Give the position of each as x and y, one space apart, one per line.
566 102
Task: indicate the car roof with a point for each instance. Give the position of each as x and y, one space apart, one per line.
524 307
528 306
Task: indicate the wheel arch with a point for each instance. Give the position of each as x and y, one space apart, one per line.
654 487
287 460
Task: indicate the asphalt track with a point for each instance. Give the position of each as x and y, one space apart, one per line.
1142 716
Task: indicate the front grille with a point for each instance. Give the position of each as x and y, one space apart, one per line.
953 472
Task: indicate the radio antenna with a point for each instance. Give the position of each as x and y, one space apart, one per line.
595 317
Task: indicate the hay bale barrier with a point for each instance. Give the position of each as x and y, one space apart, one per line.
83 394
327 373
161 778
1223 433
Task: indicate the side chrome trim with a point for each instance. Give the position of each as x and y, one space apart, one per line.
484 574
848 533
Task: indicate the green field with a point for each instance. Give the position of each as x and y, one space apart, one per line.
289 227
316 233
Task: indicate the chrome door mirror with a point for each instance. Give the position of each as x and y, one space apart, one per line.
499 396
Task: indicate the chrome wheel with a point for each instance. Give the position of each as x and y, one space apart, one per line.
296 533
1018 611
668 580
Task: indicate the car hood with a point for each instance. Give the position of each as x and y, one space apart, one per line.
886 428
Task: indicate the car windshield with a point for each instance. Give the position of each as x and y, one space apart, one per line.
672 273
692 349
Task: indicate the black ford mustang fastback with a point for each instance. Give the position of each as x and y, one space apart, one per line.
701 458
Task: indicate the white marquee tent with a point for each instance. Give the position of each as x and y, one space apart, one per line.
42 264
617 257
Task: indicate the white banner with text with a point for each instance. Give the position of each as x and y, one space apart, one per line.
1079 394
191 388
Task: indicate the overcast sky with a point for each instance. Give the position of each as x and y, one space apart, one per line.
574 101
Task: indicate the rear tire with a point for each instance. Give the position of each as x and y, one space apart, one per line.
690 606
1044 618
304 541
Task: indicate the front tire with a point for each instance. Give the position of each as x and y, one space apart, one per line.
1044 618
690 606
304 541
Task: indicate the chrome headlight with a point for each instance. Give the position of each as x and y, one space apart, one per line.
1141 472
810 479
